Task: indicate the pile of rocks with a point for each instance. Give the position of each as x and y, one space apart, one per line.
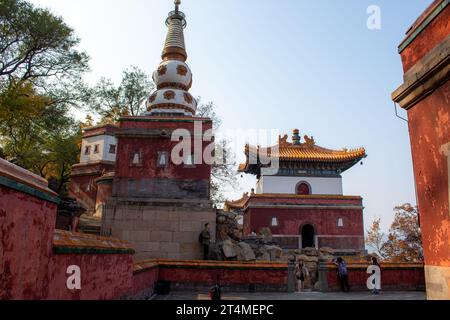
311 258
231 246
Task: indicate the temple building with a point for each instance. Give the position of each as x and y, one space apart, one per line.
155 201
302 202
98 157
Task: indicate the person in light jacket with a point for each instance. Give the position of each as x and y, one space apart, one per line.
302 274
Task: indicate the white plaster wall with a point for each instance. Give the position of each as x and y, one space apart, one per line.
287 185
106 155
104 142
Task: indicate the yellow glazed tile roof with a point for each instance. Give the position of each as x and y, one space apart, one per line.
310 153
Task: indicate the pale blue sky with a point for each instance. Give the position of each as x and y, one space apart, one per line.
311 65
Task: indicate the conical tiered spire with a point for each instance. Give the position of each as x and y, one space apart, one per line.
173 78
174 47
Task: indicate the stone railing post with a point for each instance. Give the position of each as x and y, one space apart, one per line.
322 284
291 275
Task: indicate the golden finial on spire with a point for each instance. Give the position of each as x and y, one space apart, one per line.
177 5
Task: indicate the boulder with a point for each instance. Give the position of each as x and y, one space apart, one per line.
312 266
246 252
306 258
266 235
229 249
274 252
264 257
215 252
326 251
310 251
326 258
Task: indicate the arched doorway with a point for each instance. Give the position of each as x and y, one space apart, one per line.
308 235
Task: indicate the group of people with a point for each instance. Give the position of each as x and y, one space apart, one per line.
302 274
301 271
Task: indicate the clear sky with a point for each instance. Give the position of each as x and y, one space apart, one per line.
286 64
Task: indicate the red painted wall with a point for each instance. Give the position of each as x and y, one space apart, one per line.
104 191
290 221
84 176
103 276
392 278
26 234
429 125
144 281
226 276
436 31
151 146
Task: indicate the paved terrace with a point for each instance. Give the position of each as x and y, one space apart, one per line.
189 296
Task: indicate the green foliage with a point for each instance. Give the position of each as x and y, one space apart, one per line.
223 172
38 135
112 102
37 46
41 73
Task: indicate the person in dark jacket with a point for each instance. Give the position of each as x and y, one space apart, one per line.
342 274
205 240
215 293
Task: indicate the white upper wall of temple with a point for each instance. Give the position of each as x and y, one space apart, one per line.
288 185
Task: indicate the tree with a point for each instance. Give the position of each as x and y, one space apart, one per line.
41 73
375 237
38 135
223 173
404 241
38 47
112 102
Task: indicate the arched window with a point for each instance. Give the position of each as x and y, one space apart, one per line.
303 189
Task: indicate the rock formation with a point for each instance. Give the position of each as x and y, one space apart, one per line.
231 245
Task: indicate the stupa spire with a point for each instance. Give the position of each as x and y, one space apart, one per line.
173 77
174 47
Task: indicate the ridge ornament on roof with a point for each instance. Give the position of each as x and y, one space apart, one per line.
305 157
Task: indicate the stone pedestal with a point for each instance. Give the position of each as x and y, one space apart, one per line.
158 228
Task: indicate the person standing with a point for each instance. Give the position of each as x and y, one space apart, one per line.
205 240
342 274
215 293
301 273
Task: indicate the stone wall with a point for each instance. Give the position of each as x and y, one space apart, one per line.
160 228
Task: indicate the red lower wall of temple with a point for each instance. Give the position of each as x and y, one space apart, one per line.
324 221
392 278
26 234
225 276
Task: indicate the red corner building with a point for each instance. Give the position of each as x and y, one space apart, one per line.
425 94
